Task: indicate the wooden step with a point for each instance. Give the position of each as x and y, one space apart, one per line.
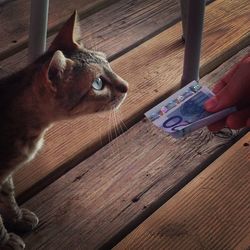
116 28
153 71
111 192
15 17
116 41
211 212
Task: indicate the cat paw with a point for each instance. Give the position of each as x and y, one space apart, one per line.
14 242
26 222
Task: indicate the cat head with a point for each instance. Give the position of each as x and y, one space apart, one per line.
78 80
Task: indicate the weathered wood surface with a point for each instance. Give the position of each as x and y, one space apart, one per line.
15 16
117 28
108 194
126 24
153 71
211 212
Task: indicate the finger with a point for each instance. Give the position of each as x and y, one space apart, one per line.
217 126
238 119
219 86
223 99
248 123
224 80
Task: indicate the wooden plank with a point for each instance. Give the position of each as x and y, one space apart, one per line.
126 24
211 212
117 28
142 18
104 29
153 70
108 194
15 17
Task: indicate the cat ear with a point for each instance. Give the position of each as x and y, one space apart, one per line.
56 67
67 36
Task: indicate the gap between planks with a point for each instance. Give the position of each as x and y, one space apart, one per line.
153 70
211 212
100 200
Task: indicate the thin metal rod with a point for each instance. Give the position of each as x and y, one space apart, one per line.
38 28
193 37
184 10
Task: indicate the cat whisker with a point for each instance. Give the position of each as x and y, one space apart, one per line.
110 133
116 125
122 124
116 134
119 123
100 136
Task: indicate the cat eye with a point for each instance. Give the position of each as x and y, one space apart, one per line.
97 84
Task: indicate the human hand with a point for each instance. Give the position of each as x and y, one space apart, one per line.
232 90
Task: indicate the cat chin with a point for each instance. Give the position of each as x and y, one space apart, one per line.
77 113
102 114
112 107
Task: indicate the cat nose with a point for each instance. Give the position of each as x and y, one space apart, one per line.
122 87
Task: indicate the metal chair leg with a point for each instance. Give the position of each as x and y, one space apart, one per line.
184 10
193 36
38 28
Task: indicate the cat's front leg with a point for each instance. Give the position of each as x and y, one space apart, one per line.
15 218
9 241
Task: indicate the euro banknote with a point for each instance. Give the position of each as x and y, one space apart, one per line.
183 112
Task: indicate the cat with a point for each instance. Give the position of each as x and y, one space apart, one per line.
66 82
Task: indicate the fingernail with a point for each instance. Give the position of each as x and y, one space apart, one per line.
211 103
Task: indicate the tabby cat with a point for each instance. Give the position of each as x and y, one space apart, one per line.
66 82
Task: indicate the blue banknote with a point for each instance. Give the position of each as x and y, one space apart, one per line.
184 112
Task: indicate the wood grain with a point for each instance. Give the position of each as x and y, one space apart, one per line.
211 212
15 17
116 28
126 24
153 71
108 194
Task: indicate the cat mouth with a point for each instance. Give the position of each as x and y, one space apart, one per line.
116 104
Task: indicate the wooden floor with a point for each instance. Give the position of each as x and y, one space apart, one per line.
89 189
205 213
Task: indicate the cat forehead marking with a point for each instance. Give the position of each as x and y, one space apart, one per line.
91 57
